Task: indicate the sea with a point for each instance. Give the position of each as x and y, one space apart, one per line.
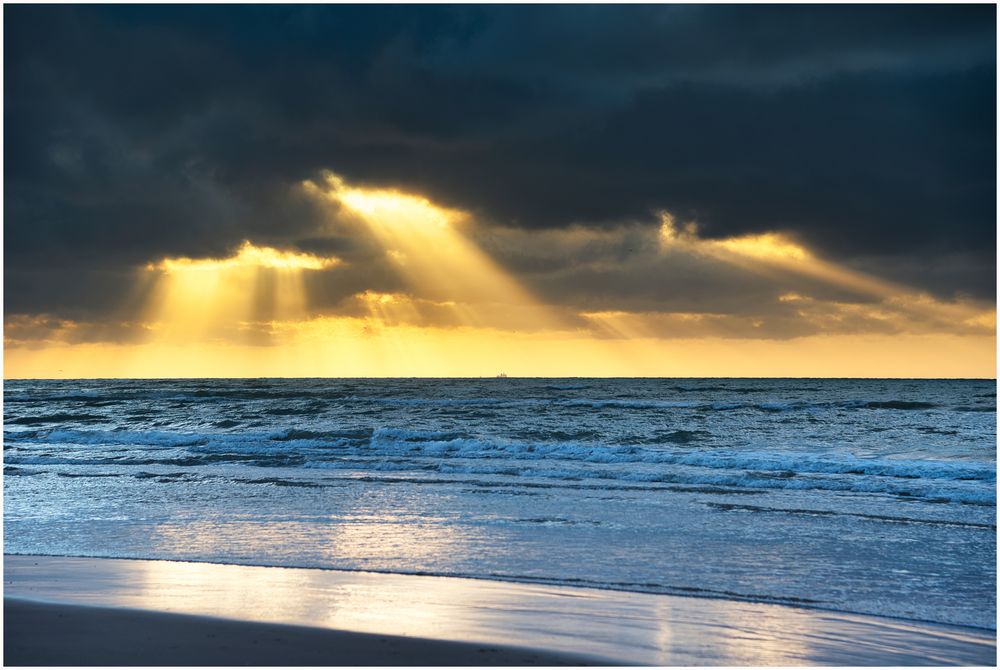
853 495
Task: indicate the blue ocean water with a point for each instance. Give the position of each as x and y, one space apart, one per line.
865 496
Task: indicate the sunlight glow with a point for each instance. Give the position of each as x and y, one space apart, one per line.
770 246
774 254
427 246
215 298
766 246
247 256
344 348
453 311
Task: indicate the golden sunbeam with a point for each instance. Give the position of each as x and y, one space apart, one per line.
774 253
460 314
214 298
437 261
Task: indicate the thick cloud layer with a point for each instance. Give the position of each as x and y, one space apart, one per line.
866 132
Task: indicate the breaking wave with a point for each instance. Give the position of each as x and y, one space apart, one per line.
673 461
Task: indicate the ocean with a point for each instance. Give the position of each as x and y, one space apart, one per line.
862 496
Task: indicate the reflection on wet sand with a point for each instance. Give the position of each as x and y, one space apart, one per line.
358 538
626 627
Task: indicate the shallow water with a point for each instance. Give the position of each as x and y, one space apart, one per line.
865 496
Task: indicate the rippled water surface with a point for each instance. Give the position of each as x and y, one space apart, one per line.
857 495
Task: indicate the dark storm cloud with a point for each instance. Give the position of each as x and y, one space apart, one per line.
138 132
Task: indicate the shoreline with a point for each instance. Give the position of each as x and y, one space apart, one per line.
543 582
563 624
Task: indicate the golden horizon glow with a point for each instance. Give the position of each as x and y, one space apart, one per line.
344 347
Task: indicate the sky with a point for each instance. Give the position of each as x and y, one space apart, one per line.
672 190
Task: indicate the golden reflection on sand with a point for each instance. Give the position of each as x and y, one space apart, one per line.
309 597
634 628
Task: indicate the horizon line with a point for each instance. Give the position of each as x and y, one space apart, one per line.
457 377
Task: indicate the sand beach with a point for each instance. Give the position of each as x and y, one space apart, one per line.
85 611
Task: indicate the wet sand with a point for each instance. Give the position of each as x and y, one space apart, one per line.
77 611
48 634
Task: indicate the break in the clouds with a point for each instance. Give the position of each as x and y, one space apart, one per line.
862 135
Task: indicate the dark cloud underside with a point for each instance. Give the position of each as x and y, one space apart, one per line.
867 132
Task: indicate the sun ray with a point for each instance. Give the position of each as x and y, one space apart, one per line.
215 298
460 313
427 247
774 254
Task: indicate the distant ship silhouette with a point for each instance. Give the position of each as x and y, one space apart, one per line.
502 375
